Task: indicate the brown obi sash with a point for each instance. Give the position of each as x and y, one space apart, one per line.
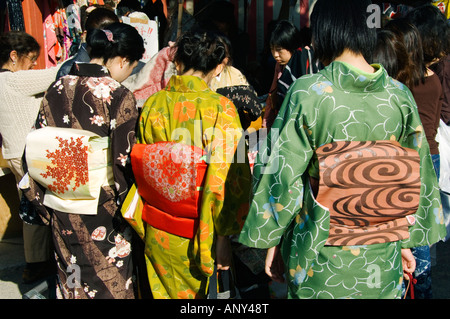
170 177
370 189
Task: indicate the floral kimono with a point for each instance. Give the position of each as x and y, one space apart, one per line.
188 112
93 251
355 254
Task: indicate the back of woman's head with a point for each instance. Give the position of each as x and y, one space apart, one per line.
340 25
387 51
116 40
285 35
434 30
99 18
18 41
200 51
414 66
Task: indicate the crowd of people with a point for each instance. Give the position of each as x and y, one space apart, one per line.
177 179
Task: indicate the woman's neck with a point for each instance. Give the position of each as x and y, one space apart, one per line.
207 78
355 59
9 66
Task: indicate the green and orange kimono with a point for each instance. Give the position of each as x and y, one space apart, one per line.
344 181
188 112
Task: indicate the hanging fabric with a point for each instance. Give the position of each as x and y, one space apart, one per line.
15 15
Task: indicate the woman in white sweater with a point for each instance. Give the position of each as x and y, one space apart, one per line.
21 92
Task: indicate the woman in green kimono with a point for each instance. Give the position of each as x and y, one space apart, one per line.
187 111
331 193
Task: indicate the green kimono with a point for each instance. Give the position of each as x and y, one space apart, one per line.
187 111
340 103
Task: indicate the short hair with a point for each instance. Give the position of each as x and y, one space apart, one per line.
434 31
18 41
200 51
285 35
99 18
117 39
340 25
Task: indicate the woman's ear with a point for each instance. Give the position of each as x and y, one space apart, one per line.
13 56
219 69
123 62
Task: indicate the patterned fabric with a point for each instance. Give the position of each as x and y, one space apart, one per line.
340 103
233 84
170 176
370 188
15 15
246 101
93 253
153 77
74 165
187 111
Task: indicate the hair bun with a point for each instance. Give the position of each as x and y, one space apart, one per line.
201 51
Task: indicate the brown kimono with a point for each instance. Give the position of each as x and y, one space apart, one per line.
93 252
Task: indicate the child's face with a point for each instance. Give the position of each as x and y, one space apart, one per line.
281 55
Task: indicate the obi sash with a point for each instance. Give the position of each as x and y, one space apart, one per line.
170 178
72 165
371 190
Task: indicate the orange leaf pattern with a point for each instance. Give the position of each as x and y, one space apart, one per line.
188 105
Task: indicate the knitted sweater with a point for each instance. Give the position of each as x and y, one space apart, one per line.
21 94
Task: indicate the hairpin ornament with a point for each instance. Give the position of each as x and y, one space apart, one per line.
109 35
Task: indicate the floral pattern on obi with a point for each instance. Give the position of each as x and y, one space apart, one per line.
169 168
69 165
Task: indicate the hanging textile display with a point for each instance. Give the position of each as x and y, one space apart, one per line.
74 25
60 32
15 15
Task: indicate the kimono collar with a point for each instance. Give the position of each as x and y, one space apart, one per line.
186 84
89 69
350 78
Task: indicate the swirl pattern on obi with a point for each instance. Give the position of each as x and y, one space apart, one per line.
371 190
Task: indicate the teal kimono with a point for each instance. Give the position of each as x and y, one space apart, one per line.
340 103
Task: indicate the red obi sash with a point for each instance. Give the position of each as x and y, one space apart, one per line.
371 190
170 177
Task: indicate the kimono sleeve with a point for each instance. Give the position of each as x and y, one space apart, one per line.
228 178
123 137
278 178
429 224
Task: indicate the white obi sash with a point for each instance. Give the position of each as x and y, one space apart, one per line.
72 165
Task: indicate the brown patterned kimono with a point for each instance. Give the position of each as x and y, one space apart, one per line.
93 252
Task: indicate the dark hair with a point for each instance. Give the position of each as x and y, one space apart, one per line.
387 51
99 18
285 35
18 41
434 31
413 67
200 51
340 25
118 39
127 6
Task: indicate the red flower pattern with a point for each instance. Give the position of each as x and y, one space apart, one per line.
69 163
